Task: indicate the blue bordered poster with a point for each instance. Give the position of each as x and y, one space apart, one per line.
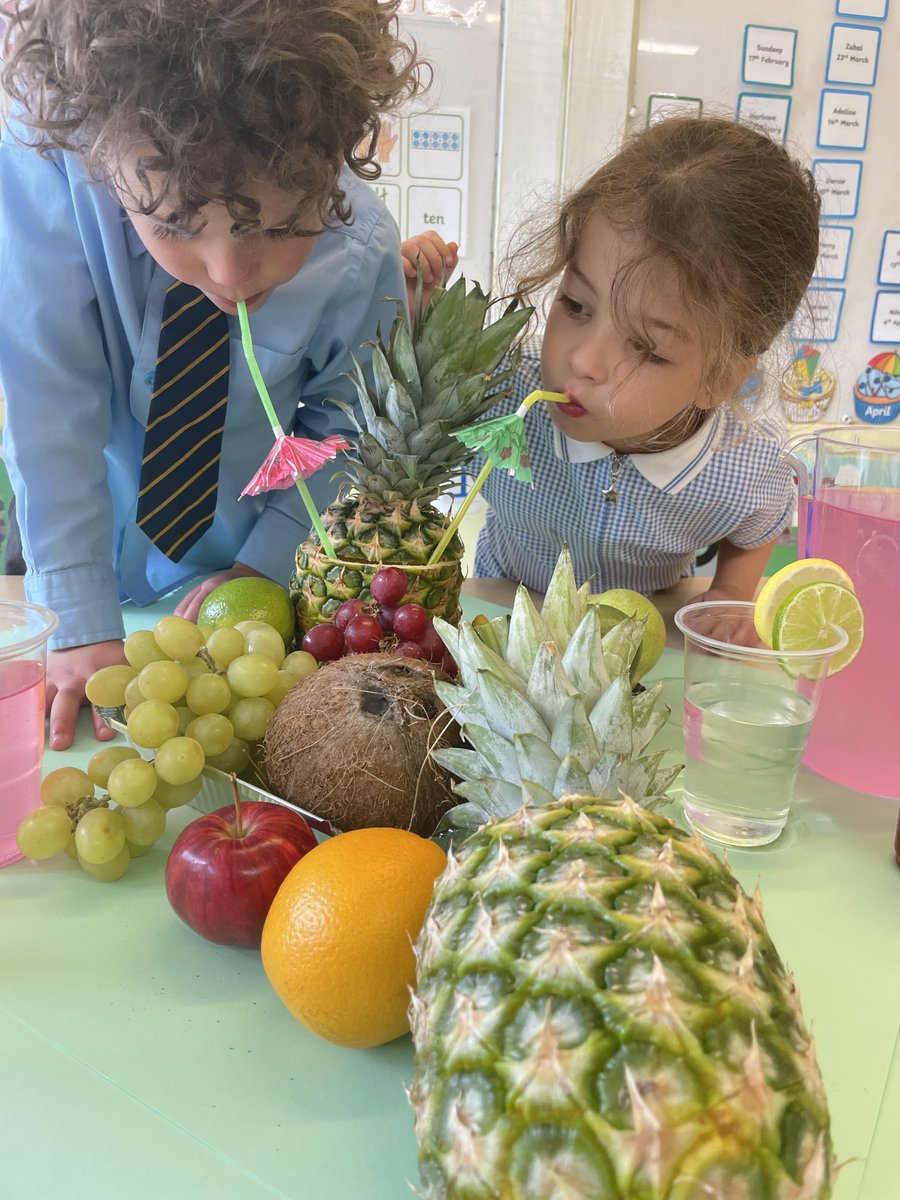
819 317
834 253
769 52
889 263
874 10
770 114
662 105
844 119
853 54
838 183
886 319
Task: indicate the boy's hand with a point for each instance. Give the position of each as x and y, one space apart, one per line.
67 673
190 605
435 256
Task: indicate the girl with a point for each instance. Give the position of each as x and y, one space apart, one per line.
681 260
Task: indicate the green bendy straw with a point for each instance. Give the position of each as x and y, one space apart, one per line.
504 438
263 393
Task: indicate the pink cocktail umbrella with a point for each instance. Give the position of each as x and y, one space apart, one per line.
291 460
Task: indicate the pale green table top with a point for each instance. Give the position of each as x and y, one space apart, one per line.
138 1060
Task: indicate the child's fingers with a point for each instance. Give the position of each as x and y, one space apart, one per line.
63 715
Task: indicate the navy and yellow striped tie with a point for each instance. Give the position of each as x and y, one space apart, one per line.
183 441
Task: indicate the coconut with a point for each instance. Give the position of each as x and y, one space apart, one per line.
354 744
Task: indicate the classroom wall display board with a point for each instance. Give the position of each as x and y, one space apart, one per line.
821 77
438 158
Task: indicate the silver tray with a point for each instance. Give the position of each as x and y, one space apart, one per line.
215 788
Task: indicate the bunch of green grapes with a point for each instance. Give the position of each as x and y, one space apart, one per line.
189 698
101 836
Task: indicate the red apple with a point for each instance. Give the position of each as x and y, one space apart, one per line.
225 868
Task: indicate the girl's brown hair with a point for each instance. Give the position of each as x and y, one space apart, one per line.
724 206
224 91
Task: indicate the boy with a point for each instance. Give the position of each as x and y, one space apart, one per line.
164 159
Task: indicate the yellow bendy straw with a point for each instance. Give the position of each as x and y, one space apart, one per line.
263 393
503 439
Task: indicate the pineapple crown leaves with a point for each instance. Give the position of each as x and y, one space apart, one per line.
546 707
425 385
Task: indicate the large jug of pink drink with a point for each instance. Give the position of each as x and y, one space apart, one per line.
24 630
849 512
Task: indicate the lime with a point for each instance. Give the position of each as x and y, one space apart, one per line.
618 603
249 598
795 575
811 616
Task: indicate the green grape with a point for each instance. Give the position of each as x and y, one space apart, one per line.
208 694
225 644
141 649
66 785
285 682
300 663
171 795
179 760
250 717
244 627
100 835
252 675
179 638
266 641
135 851
145 824
44 832
185 716
106 687
133 694
196 667
213 731
69 848
107 872
151 723
235 758
131 782
166 681
103 762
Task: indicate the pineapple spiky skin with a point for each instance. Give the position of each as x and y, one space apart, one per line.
425 387
601 1013
386 535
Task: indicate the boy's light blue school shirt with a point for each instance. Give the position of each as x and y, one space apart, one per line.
78 339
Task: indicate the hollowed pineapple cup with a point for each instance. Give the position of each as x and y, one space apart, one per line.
320 584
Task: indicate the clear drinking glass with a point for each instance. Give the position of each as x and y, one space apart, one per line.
24 630
747 714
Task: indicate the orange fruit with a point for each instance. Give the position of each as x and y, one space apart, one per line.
337 942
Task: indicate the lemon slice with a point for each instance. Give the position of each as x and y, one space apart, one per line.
795 575
810 617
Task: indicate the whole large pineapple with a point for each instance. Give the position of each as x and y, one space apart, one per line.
425 387
600 1013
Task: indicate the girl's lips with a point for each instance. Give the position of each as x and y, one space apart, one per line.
571 409
231 305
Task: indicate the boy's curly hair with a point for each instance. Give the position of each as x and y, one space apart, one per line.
224 91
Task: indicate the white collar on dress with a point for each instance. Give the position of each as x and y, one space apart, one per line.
668 470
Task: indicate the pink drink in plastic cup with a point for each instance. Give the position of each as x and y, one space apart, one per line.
855 738
22 739
24 630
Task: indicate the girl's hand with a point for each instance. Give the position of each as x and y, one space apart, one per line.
67 673
190 605
436 257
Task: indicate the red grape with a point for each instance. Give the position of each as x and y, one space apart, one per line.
448 665
348 610
386 617
411 650
363 635
411 621
324 642
431 643
389 586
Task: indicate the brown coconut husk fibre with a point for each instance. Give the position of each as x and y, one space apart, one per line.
353 744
